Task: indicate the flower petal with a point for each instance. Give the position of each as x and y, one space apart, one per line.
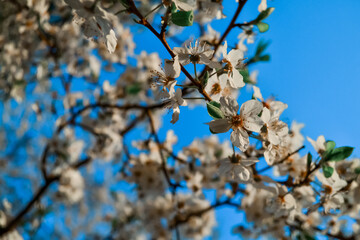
240 139
219 126
229 106
251 107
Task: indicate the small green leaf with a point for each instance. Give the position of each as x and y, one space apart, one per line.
357 170
264 14
183 18
265 58
263 27
173 8
328 171
214 110
133 89
245 74
261 47
205 79
330 145
339 154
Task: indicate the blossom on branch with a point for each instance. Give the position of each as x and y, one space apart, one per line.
246 120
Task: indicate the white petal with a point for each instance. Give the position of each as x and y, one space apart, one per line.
248 162
265 115
243 174
183 6
175 115
313 143
219 126
273 138
172 67
253 123
262 6
224 50
251 107
257 94
111 41
277 108
234 56
229 106
237 79
240 139
268 158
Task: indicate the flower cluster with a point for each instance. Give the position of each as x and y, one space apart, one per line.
83 143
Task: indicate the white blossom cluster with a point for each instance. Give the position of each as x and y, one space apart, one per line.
82 121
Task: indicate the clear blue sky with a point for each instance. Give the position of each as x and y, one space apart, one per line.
315 53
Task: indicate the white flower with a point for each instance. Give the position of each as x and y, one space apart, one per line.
94 22
237 167
71 186
275 129
148 61
217 88
248 34
165 78
282 203
247 120
332 184
333 199
319 144
198 54
257 93
232 60
262 6
194 182
176 100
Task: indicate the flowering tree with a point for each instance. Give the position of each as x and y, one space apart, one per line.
65 125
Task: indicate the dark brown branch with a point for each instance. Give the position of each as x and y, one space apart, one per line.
163 160
179 220
339 236
281 161
227 31
40 192
50 179
231 25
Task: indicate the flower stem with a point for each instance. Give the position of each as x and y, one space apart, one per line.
153 10
195 72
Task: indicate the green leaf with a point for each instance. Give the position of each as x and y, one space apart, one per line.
245 74
330 145
183 18
328 171
357 170
133 89
339 154
173 8
264 14
265 58
214 110
205 79
263 27
261 47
